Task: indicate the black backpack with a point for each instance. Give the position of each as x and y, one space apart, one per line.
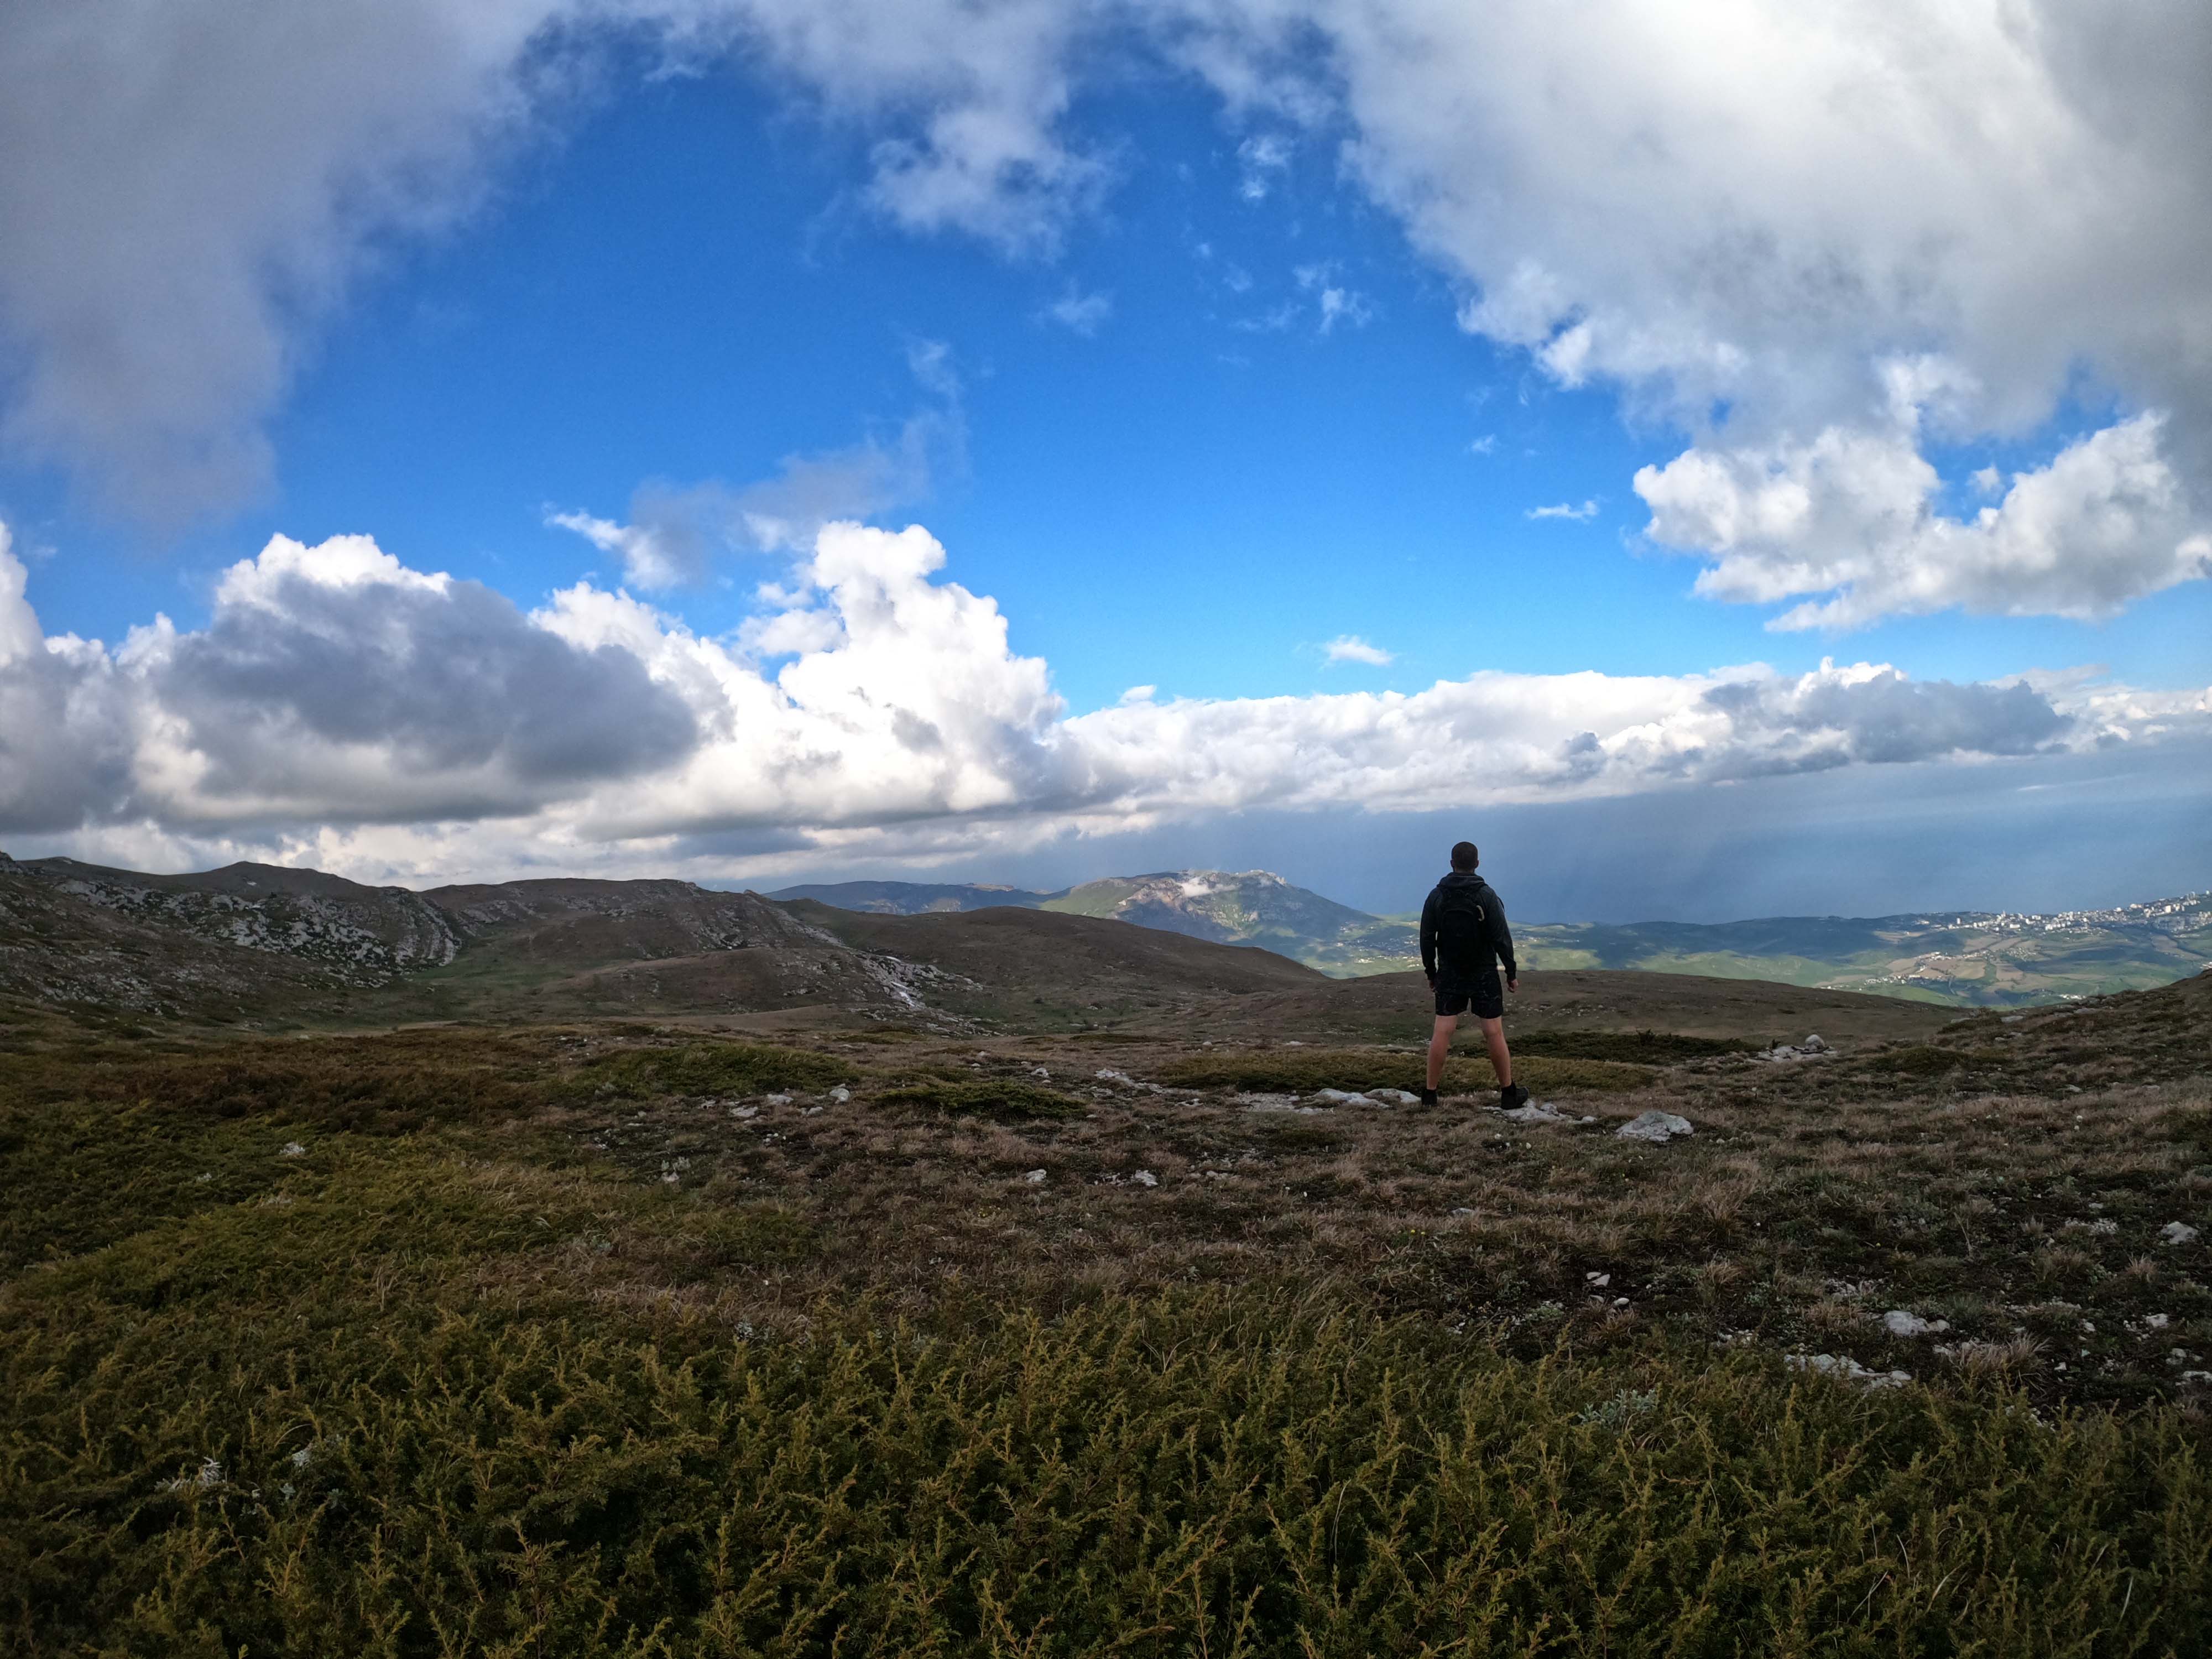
1461 930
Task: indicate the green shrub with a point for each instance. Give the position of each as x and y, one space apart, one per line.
1210 1472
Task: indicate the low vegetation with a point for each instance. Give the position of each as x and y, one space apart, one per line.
1301 1071
625 1340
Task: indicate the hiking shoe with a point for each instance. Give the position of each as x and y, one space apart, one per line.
1428 1096
1512 1097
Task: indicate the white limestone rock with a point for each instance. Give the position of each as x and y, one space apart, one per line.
1845 1369
1898 1321
1655 1127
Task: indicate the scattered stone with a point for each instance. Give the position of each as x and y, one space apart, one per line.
1462 1210
1899 1322
810 1111
1598 1281
1040 1072
1542 1111
1845 1369
1035 1177
1276 1103
1338 1097
1145 1178
293 1149
745 1114
1657 1128
841 1094
1393 1097
1813 1045
2156 1321
779 1100
2177 1232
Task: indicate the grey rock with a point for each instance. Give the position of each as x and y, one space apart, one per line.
1845 1369
1542 1111
1657 1128
2177 1232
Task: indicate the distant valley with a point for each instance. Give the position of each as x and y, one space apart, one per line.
1970 959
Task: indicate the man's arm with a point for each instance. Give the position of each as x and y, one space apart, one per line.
1429 936
1501 936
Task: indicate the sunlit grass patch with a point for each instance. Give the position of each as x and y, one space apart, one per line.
707 1068
1004 1100
1301 1071
1632 1047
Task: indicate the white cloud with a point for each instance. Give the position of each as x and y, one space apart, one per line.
1350 647
1259 157
342 709
1334 302
1567 510
1485 445
1083 314
1852 516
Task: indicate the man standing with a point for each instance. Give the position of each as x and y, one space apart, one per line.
1464 939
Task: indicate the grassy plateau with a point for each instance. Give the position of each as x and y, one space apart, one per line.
633 1338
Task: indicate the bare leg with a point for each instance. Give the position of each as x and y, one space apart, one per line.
1439 1046
1493 1035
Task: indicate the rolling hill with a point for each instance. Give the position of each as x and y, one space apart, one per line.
1959 958
1250 907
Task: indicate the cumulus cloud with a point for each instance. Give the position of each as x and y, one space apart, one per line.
342 708
332 683
1852 515
1767 208
1350 647
188 188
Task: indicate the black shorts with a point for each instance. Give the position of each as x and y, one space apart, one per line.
1483 993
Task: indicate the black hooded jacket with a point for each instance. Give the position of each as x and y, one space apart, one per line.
1495 938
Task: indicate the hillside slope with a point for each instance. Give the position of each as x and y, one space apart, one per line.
258 946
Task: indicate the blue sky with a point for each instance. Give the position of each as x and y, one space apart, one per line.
1254 381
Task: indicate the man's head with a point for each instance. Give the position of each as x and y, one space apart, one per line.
1464 857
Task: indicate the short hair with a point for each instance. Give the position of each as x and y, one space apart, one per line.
1464 857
